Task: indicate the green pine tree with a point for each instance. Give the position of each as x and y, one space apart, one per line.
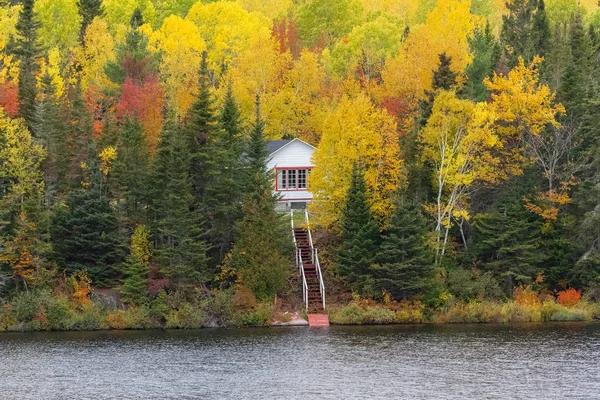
262 242
405 261
180 246
443 79
27 51
256 153
483 47
573 90
85 232
360 238
508 243
202 124
129 180
51 129
224 178
88 10
134 286
516 34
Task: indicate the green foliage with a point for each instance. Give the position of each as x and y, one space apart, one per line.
483 45
327 20
507 243
130 174
224 181
261 254
84 230
27 50
88 10
360 238
405 261
180 246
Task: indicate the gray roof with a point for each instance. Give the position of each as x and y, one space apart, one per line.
275 145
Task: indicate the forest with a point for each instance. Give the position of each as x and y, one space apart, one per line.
457 161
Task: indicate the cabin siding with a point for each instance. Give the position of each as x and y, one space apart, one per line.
294 154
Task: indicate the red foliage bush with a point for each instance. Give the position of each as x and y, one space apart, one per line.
569 297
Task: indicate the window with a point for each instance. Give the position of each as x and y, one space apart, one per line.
292 178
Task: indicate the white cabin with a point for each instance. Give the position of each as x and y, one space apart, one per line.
291 162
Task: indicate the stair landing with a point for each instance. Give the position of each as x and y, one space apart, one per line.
318 320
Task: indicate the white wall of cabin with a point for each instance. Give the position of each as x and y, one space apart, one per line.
294 154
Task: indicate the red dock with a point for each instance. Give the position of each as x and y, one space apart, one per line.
318 320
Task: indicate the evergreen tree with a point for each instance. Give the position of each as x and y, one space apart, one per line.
80 134
405 261
262 238
88 9
133 60
573 90
360 238
508 242
443 79
225 180
27 51
541 36
201 128
516 33
558 56
256 154
51 128
483 46
180 246
85 234
134 286
131 173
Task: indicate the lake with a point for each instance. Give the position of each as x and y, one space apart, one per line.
533 361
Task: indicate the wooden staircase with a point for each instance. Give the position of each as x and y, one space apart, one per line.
315 299
307 261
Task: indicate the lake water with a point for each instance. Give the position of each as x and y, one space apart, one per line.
535 361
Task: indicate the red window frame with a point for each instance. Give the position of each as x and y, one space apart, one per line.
296 169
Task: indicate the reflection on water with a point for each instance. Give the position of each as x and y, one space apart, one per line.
545 361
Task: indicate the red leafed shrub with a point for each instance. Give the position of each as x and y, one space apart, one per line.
9 99
569 297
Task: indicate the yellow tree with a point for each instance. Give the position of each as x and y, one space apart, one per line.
260 68
526 112
355 132
21 185
97 51
179 42
227 29
457 141
60 23
523 107
298 107
448 28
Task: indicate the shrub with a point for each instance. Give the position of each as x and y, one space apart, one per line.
526 296
90 318
261 316
378 316
472 312
410 313
569 297
59 313
26 305
348 315
516 312
185 317
118 320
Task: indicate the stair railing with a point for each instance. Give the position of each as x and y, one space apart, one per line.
321 284
294 238
310 241
304 283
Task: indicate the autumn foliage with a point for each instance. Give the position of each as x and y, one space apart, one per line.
569 297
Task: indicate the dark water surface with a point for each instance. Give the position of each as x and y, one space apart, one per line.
545 361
